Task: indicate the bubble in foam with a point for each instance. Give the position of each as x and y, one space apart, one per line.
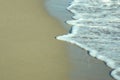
96 28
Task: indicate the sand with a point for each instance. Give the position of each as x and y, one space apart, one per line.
28 49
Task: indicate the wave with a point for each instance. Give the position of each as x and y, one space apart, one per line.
96 28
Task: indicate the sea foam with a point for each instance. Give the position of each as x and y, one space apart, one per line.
96 28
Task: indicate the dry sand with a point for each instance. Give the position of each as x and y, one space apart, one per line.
28 50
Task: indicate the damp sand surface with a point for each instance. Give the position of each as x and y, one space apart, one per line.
28 50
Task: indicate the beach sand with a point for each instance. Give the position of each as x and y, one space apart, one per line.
84 67
28 49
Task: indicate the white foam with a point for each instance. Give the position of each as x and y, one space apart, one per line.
114 73
99 33
106 1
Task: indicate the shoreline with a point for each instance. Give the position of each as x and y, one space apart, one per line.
79 57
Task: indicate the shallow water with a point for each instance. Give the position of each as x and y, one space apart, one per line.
28 49
56 10
84 66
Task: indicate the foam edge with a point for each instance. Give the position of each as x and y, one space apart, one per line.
113 73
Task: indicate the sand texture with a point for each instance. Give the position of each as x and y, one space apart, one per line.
28 50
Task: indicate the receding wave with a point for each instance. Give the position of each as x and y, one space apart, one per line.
96 28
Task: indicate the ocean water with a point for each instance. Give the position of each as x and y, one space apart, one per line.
58 10
96 29
90 21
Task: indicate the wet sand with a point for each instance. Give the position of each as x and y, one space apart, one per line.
28 50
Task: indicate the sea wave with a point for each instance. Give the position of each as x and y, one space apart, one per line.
96 28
